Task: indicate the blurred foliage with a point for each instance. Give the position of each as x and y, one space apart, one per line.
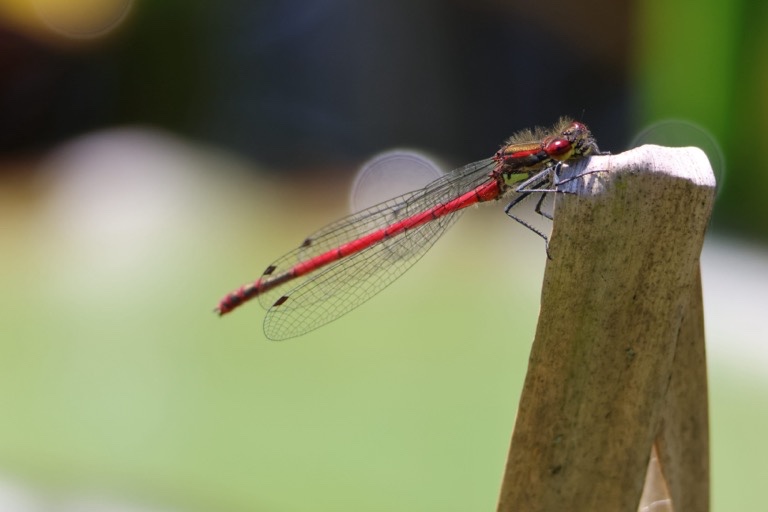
707 62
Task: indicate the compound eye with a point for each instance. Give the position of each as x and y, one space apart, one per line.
558 147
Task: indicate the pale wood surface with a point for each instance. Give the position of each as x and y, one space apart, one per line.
683 440
618 349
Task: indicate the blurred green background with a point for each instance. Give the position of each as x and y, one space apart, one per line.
156 154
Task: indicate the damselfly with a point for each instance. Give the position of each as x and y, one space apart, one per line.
346 263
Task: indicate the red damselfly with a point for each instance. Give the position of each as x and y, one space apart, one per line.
346 263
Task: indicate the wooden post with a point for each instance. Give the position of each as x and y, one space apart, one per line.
618 361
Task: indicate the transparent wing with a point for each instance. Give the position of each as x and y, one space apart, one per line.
313 300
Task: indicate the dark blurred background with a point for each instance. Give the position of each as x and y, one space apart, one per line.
303 85
296 84
270 101
300 85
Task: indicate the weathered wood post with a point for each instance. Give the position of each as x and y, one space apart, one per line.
618 364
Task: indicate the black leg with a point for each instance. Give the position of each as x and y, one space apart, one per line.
538 208
513 203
